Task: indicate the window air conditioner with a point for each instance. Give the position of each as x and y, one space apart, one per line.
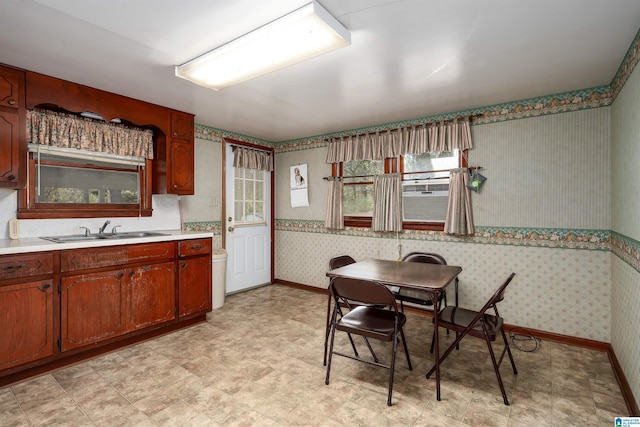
425 200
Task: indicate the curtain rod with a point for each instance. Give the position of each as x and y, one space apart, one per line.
329 178
471 117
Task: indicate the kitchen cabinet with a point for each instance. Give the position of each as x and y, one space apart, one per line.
135 291
26 309
173 163
175 157
63 305
194 276
13 145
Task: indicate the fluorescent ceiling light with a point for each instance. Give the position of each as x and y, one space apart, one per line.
302 34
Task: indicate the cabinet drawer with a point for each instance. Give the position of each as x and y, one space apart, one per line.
17 266
84 259
194 247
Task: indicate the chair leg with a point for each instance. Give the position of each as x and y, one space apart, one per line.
333 335
496 368
326 332
393 365
406 349
506 344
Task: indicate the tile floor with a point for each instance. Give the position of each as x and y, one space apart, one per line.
258 361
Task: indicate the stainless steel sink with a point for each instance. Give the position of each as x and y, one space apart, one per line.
131 235
73 238
105 236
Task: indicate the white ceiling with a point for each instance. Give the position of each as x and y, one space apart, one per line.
408 58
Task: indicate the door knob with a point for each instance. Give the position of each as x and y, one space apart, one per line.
230 229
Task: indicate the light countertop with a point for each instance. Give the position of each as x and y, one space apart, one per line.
36 244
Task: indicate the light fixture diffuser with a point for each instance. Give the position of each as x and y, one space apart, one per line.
302 34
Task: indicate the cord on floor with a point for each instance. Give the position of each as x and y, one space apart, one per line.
524 340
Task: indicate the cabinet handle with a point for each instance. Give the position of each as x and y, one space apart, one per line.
12 102
184 264
12 177
14 267
131 273
45 287
120 274
196 246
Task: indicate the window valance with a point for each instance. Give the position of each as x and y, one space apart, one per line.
252 159
417 139
69 131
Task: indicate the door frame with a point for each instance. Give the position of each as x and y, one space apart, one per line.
231 141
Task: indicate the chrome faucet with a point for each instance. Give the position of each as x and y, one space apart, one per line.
101 230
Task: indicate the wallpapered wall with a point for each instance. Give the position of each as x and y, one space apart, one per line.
625 209
535 169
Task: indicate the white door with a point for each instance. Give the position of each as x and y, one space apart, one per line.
247 226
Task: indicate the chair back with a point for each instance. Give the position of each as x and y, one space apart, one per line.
340 261
425 257
361 292
497 295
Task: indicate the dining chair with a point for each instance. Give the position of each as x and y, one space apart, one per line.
368 319
337 262
479 324
423 298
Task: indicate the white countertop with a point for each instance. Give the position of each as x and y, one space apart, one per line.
19 246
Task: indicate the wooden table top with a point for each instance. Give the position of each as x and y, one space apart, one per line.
410 275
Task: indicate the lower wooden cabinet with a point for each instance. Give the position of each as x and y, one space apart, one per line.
194 276
27 332
93 308
152 295
195 285
61 304
100 306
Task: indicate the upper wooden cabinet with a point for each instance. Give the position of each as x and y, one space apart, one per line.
13 154
174 157
173 130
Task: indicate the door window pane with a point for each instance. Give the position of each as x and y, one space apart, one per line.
249 196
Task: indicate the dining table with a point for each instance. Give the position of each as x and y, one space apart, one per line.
433 278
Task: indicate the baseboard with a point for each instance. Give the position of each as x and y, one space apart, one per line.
627 393
625 389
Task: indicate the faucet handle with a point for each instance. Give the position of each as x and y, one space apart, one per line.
113 230
86 231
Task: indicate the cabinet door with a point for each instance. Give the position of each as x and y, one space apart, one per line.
9 148
180 167
194 283
181 125
26 334
93 308
11 87
152 295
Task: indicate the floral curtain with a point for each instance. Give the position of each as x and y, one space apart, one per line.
429 138
334 218
387 203
252 159
459 220
69 131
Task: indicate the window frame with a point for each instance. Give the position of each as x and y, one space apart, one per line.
28 208
391 165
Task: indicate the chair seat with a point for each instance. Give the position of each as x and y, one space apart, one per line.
457 319
371 322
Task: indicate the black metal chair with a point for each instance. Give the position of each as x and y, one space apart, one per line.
479 324
423 298
337 262
367 319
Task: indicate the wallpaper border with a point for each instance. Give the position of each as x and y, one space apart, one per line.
599 240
